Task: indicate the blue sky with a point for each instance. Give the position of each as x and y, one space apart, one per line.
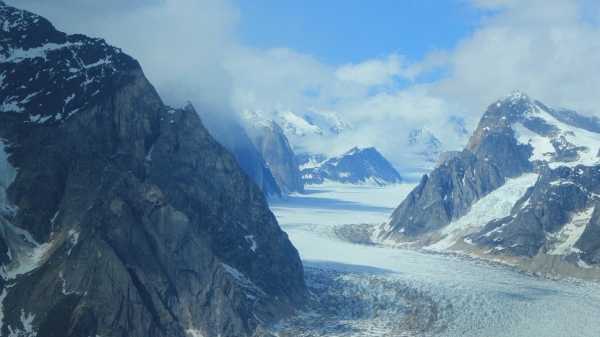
342 31
385 66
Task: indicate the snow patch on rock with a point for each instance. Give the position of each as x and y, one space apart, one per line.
585 144
241 279
19 55
73 236
193 332
7 176
27 323
563 241
495 205
252 242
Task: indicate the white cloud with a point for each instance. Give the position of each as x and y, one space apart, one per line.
283 78
544 48
180 43
189 49
374 72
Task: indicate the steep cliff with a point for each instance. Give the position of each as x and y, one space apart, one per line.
121 216
356 166
270 140
525 186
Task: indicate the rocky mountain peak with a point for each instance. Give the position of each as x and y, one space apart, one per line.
270 140
525 185
356 166
82 68
120 216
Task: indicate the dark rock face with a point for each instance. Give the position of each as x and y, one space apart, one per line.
494 140
557 216
590 123
275 148
462 178
355 166
446 194
125 217
589 243
309 160
543 212
230 133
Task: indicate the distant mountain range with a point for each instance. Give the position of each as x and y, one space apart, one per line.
230 133
292 171
308 132
357 166
302 129
424 145
525 188
270 140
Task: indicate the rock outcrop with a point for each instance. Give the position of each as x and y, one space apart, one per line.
357 166
230 133
553 219
277 152
121 216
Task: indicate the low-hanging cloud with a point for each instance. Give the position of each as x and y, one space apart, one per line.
190 51
180 43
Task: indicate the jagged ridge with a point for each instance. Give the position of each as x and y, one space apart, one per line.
125 217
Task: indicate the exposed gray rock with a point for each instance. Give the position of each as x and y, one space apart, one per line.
557 216
355 167
128 218
228 131
447 193
590 123
272 143
589 243
543 212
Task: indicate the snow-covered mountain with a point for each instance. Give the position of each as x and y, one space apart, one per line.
357 166
329 121
424 145
308 160
525 187
303 129
276 150
295 125
120 216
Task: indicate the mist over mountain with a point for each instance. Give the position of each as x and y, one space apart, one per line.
121 215
229 132
271 142
541 163
299 169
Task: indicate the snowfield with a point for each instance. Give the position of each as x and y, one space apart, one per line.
495 205
381 291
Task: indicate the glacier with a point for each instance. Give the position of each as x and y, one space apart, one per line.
470 297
